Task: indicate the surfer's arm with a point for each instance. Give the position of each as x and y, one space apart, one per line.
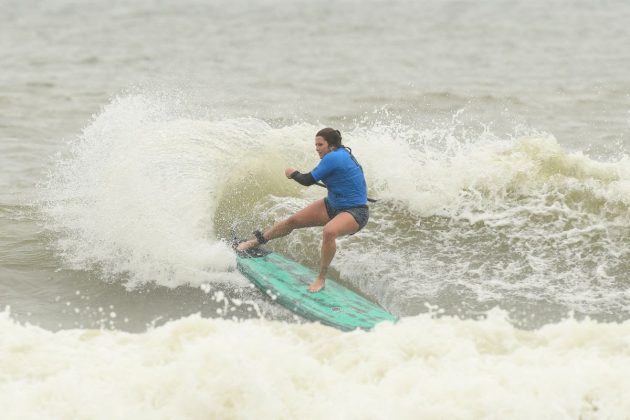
304 179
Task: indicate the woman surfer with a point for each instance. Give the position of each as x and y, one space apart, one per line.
343 212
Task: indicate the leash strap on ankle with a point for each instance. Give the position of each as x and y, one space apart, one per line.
259 236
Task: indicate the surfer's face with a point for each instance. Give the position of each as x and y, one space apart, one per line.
321 146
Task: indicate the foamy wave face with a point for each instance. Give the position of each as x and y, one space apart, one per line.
419 368
473 218
447 170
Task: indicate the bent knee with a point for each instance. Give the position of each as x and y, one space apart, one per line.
330 232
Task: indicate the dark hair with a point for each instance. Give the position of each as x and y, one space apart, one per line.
332 136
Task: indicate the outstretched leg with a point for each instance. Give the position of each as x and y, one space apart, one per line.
313 215
343 224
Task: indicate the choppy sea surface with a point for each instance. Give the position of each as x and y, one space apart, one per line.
136 138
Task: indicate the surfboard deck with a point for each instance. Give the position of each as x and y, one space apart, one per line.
286 282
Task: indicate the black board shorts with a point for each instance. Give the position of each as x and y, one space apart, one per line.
361 213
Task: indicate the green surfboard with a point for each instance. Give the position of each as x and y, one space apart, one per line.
286 282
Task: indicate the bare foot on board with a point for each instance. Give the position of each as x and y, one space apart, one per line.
317 285
244 246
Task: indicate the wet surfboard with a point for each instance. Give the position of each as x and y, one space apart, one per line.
286 282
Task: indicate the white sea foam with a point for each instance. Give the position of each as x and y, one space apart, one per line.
419 368
440 170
